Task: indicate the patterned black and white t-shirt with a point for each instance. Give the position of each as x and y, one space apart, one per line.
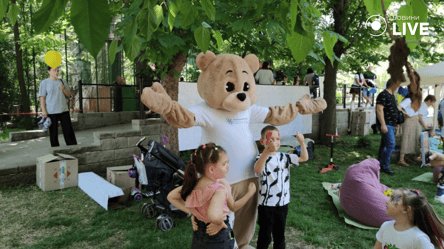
274 189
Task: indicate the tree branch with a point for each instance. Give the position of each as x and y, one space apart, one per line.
354 14
386 22
355 38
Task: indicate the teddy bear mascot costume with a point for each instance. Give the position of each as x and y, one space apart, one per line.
227 85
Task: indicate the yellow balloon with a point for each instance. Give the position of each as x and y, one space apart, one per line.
53 59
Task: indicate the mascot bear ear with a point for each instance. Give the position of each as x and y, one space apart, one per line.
253 62
203 60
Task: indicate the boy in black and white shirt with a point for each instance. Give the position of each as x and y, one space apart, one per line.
272 167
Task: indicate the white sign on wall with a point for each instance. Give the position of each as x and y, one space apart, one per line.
268 95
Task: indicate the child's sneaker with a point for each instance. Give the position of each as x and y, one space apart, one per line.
44 123
440 195
47 124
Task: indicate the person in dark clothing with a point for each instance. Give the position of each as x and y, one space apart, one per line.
387 120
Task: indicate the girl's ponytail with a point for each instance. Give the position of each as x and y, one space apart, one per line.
204 155
425 217
190 180
434 224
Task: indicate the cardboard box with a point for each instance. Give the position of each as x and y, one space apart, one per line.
101 191
360 129
119 177
56 172
365 117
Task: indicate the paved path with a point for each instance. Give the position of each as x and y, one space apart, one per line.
25 153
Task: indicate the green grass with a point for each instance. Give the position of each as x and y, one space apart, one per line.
31 218
4 135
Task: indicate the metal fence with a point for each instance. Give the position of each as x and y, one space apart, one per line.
345 97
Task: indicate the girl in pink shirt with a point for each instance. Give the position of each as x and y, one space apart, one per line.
208 197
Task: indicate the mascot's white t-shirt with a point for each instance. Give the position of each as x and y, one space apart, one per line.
232 132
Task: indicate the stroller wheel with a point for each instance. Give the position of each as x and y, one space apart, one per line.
164 222
138 197
144 207
150 210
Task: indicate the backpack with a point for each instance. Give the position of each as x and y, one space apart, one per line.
315 80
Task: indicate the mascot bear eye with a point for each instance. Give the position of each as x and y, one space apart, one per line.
229 87
246 87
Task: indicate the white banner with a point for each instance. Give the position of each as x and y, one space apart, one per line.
268 95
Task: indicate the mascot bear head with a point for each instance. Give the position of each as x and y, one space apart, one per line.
227 80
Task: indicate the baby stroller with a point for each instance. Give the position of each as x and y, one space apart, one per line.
160 171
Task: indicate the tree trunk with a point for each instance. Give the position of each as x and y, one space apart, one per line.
328 121
24 106
171 85
328 117
300 72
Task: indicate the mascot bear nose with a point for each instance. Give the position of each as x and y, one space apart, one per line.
241 96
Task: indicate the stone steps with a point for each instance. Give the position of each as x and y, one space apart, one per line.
108 149
83 121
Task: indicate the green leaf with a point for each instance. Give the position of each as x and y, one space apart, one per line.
317 57
159 14
343 39
209 9
129 36
300 45
147 20
186 14
300 27
329 42
315 11
112 51
13 13
50 12
3 8
219 40
282 14
419 9
130 30
172 15
133 50
374 7
406 12
294 12
336 58
260 7
206 25
91 21
202 37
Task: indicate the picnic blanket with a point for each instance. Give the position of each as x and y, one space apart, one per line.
333 193
426 177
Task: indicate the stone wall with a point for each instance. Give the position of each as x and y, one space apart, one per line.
342 119
83 121
109 149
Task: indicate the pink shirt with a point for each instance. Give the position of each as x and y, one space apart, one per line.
199 201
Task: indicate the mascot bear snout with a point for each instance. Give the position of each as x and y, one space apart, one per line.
241 96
